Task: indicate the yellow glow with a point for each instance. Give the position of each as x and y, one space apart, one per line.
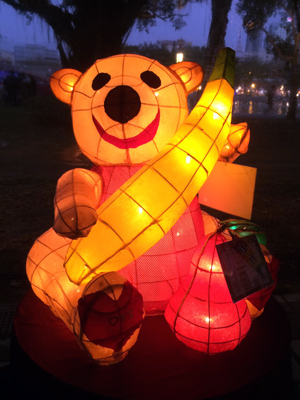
188 159
207 320
140 210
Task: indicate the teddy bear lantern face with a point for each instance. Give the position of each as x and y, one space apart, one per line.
125 108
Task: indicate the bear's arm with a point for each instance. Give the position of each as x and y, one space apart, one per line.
77 196
236 144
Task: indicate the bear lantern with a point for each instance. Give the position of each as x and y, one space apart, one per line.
136 210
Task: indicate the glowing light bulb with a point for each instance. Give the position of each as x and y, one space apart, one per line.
156 94
140 210
188 159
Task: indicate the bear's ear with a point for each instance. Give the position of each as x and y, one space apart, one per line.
62 83
190 73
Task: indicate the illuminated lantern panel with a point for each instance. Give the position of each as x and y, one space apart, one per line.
108 318
201 313
45 271
257 301
149 204
136 208
237 142
158 272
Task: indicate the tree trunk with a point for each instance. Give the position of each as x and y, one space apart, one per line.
217 32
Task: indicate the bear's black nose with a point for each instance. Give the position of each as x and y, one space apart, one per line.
122 104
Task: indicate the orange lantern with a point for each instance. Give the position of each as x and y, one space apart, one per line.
201 313
45 271
136 209
137 216
108 318
237 143
80 192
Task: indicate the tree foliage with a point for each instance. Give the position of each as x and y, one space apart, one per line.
88 30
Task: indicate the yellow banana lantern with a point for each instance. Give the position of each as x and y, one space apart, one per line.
143 209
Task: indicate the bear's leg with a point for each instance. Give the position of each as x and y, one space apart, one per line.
47 275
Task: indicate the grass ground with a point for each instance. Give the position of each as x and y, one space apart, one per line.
37 147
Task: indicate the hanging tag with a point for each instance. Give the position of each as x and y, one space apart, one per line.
244 266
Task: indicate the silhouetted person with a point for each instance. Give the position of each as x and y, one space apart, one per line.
12 86
270 98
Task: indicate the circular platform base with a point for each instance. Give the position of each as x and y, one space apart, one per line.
47 361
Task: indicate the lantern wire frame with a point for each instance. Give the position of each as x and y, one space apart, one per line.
199 321
178 171
108 318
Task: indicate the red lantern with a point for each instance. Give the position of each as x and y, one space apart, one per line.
202 313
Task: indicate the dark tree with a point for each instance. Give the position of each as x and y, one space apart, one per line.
86 30
255 15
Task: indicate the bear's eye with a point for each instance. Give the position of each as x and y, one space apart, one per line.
100 80
151 79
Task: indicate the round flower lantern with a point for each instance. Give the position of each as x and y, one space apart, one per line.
108 318
201 313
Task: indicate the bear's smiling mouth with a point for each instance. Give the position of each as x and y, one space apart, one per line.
131 143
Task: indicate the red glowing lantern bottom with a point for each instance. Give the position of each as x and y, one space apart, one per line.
208 327
201 313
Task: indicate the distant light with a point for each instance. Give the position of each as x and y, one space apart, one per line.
179 57
253 85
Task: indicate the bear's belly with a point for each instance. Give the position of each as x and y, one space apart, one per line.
158 272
